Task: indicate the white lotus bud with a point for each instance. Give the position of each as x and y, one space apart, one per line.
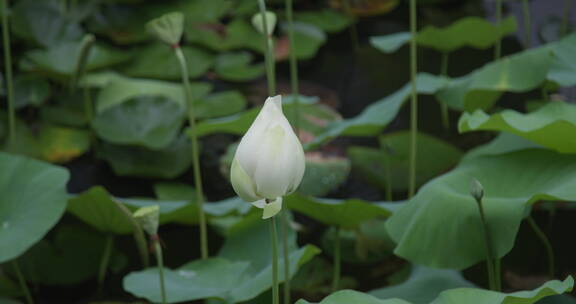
269 162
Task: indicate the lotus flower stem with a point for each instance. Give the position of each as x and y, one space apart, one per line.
527 23
413 101
498 46
85 47
443 105
160 262
337 262
195 153
274 240
566 17
491 264
546 242
22 282
105 260
269 49
293 67
286 256
8 72
139 236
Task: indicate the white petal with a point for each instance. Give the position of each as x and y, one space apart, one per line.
271 209
259 204
242 183
271 176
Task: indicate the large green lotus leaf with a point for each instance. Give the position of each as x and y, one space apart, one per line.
220 104
434 157
379 114
44 23
342 213
167 163
552 126
237 34
172 191
237 67
150 121
327 20
308 39
452 37
482 296
33 200
440 226
235 124
117 89
516 73
98 209
71 256
423 285
61 144
503 143
563 69
558 299
352 296
61 60
323 174
159 61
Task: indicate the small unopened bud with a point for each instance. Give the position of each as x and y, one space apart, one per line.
476 190
258 22
168 28
149 218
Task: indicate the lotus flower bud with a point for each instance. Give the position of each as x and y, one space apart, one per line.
258 22
476 190
269 162
168 28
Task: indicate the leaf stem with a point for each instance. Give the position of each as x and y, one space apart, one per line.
8 72
22 282
491 263
337 260
269 49
138 234
274 240
195 152
443 105
546 242
293 66
284 235
498 46
105 259
413 101
527 23
160 262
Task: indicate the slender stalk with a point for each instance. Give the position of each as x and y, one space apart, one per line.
8 72
195 153
22 282
566 17
546 242
138 235
293 66
274 240
85 48
337 262
160 262
498 46
413 101
269 49
527 23
105 259
285 255
491 263
443 105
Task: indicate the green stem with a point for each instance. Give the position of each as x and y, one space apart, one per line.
22 282
293 67
566 17
337 262
274 240
498 46
138 234
527 23
443 105
546 242
491 263
284 234
8 72
83 55
269 55
413 101
105 259
195 153
160 262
